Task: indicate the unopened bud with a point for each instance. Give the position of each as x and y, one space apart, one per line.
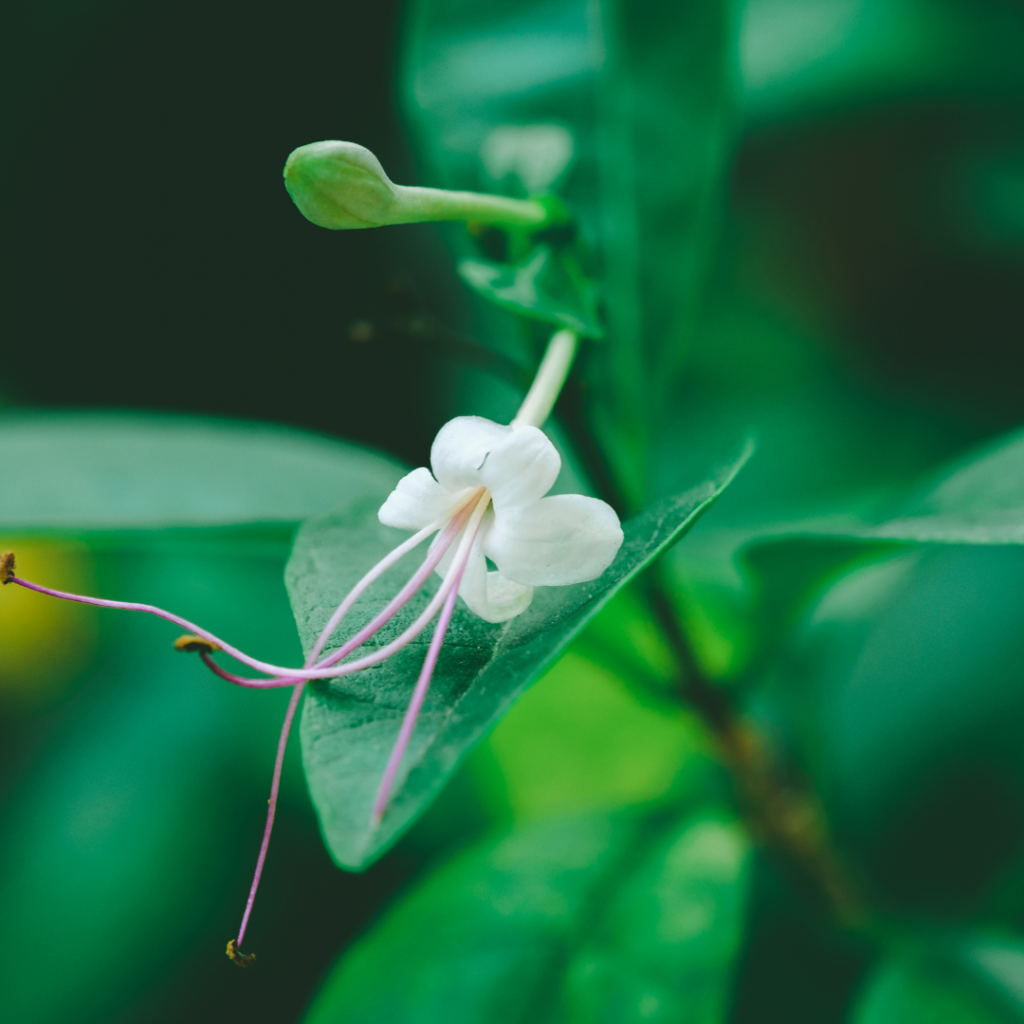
6 567
342 185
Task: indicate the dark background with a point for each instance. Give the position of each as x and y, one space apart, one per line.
153 257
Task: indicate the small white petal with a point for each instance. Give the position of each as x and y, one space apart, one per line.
505 598
554 541
520 468
487 594
416 501
461 448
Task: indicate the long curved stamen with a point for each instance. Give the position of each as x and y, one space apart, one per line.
420 577
412 712
292 675
426 673
452 580
454 521
287 676
275 785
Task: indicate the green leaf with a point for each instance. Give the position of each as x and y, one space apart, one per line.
546 286
977 499
116 471
590 920
350 725
583 740
975 980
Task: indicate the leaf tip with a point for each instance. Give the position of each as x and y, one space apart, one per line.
191 644
236 956
6 567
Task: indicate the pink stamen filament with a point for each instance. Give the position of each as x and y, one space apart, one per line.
275 785
455 577
385 652
418 696
420 577
285 676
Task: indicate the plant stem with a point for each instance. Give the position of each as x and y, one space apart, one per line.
434 204
782 815
549 380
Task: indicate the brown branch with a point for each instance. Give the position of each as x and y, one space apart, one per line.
785 816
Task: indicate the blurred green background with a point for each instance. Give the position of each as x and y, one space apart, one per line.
863 313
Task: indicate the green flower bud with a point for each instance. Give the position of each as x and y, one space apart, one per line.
341 185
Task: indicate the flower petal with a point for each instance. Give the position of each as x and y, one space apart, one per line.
554 541
417 500
520 468
505 599
461 448
487 594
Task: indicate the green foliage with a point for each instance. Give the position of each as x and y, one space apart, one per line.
75 472
349 727
583 739
582 920
962 980
977 499
548 285
647 91
801 57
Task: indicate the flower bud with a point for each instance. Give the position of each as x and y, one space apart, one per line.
340 185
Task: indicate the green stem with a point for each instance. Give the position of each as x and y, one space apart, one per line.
417 205
550 379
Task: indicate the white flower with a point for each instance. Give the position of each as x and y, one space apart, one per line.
535 541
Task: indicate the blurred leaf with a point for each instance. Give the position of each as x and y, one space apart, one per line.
547 286
901 689
580 741
802 56
349 726
647 91
973 980
977 499
590 920
74 472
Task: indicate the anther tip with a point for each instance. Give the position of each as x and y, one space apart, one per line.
191 644
236 956
6 567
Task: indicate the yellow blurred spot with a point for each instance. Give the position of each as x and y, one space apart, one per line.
45 642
